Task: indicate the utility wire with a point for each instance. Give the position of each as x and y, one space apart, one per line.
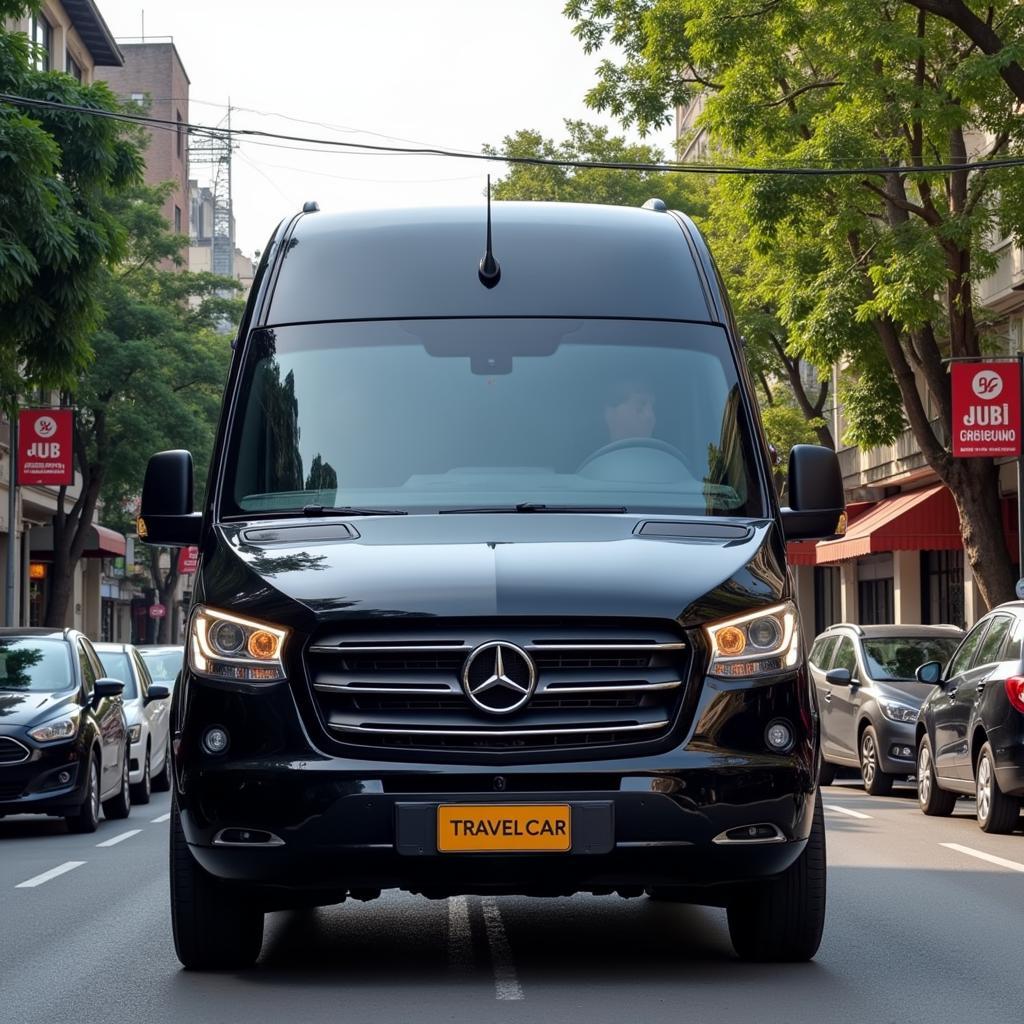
611 165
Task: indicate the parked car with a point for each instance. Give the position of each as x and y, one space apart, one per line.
869 696
970 736
147 708
497 528
163 661
63 732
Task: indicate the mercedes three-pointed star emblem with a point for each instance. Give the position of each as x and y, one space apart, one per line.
499 677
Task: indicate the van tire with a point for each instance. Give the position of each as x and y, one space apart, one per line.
214 927
781 919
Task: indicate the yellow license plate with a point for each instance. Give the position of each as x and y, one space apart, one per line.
504 828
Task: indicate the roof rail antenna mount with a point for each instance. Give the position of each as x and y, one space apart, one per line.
490 271
658 205
311 206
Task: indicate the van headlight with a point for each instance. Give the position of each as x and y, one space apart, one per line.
223 646
762 641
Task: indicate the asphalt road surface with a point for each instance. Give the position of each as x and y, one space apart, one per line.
925 924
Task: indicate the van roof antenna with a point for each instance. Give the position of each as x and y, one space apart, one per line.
490 271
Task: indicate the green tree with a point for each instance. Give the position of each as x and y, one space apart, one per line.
876 271
57 169
156 383
587 142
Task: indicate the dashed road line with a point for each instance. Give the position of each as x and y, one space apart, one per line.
506 984
61 869
460 937
1002 862
162 819
846 810
120 838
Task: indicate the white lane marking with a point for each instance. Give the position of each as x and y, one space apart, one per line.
846 810
506 984
460 938
121 838
61 869
991 858
162 819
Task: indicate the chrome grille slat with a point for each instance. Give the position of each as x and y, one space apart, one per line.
601 689
12 751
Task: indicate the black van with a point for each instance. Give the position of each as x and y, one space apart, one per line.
493 594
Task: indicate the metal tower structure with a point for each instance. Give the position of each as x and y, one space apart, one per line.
213 150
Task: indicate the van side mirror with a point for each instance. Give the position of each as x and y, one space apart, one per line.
167 518
929 672
816 500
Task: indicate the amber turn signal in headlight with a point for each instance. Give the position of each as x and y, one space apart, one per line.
762 641
225 646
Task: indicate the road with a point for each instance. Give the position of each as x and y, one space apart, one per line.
921 927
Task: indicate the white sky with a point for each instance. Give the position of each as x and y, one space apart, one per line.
455 73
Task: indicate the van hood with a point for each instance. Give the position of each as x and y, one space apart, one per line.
495 565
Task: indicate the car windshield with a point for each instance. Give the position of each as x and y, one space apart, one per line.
466 414
896 659
34 665
163 665
116 666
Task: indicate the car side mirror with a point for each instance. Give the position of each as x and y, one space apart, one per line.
929 672
817 504
107 688
158 691
166 517
839 677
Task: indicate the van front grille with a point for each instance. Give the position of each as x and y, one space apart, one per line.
593 689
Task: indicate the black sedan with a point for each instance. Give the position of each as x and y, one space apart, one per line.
63 735
970 736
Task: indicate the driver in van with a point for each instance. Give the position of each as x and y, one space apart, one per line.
629 411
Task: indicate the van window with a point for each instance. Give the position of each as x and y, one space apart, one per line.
447 414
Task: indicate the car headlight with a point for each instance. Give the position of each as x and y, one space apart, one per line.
762 641
134 733
897 712
223 646
63 728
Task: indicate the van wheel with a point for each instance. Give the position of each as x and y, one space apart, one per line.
120 806
827 775
142 789
997 812
214 927
782 919
932 800
88 817
876 782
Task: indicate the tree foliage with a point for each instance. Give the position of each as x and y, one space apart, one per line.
155 383
874 271
57 169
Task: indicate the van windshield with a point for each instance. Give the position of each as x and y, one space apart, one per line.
443 415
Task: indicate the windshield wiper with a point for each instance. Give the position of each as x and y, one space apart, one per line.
535 506
350 510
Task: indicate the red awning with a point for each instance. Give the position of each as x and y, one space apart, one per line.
924 520
100 542
805 552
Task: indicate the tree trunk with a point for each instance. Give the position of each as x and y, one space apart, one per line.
164 585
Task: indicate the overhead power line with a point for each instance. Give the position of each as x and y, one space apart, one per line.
611 165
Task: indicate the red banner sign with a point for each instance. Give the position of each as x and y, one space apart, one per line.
986 410
45 447
188 560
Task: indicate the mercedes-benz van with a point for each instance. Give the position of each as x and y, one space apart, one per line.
492 594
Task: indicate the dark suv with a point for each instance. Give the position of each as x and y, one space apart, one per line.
63 736
870 695
970 736
492 594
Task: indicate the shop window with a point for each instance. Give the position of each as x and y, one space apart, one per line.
942 587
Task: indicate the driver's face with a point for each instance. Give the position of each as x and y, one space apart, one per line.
632 417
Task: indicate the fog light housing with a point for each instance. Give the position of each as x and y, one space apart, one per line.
215 740
64 778
779 735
